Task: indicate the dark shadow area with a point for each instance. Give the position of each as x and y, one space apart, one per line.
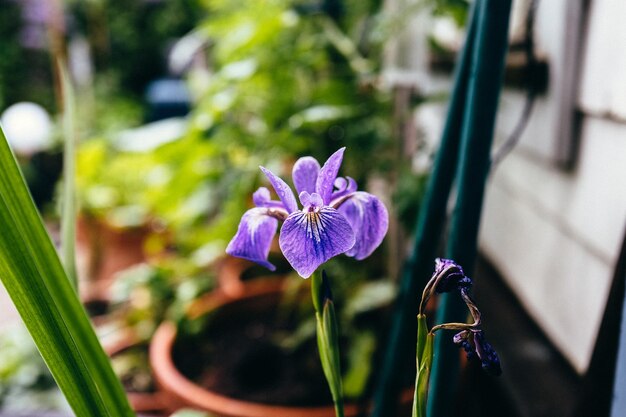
537 381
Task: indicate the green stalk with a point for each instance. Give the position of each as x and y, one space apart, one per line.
32 274
328 339
429 227
423 359
422 332
68 202
420 398
478 126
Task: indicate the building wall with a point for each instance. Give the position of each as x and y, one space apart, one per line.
553 233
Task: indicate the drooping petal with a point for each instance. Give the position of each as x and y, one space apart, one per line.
254 237
487 354
282 189
308 239
369 219
304 174
328 174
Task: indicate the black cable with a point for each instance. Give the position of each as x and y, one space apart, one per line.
531 91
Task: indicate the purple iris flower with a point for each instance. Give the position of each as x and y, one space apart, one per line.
335 218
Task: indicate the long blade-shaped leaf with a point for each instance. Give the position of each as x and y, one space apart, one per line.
34 278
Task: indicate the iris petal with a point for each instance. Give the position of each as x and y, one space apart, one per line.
328 174
369 219
308 239
344 187
261 197
304 174
254 237
282 189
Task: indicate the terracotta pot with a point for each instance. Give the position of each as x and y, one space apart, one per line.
180 392
229 276
104 250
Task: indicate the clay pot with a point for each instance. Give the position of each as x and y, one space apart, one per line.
179 391
229 276
104 250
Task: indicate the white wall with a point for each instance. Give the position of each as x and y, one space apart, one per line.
555 235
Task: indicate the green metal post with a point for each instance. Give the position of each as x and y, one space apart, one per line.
478 126
430 224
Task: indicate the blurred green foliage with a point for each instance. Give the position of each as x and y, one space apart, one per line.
276 88
457 9
281 88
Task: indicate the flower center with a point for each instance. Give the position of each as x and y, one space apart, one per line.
311 203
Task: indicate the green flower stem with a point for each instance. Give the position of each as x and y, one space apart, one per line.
425 344
68 204
422 331
424 359
327 339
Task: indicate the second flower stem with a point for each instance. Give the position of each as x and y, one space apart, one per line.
328 337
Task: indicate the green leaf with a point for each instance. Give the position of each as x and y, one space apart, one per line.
360 363
331 336
32 274
328 339
328 346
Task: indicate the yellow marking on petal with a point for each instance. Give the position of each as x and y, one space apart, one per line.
314 225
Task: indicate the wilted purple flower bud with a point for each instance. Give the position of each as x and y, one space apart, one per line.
462 339
475 346
451 276
487 355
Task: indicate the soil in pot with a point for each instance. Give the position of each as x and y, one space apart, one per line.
238 354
